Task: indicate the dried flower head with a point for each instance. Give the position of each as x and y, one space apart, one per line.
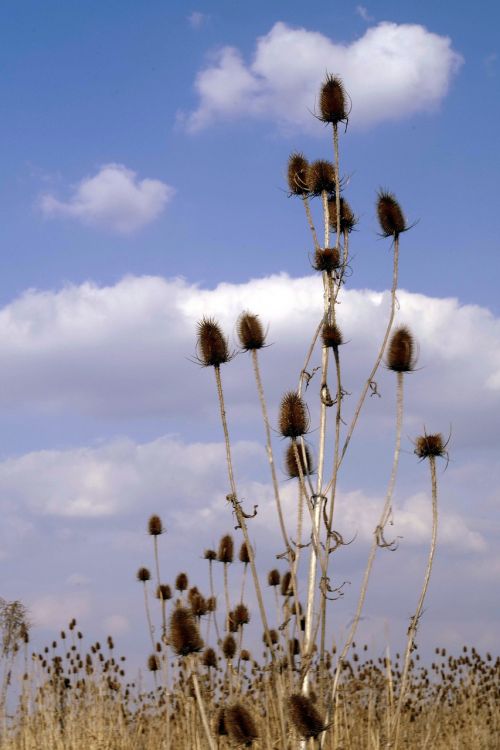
305 716
332 101
270 638
250 332
241 615
220 724
390 216
243 555
293 416
209 658
320 177
153 663
297 174
291 461
225 553
273 577
331 335
213 349
401 352
326 259
347 219
229 647
240 724
286 584
210 554
164 592
245 655
198 604
143 575
155 526
430 445
181 582
184 636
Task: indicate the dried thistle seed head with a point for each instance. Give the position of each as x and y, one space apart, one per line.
184 636
210 554
270 638
291 461
198 604
243 555
297 174
332 100
273 577
232 625
143 575
241 615
286 584
326 259
347 219
213 349
304 716
181 582
250 332
229 647
401 353
294 647
153 663
240 724
320 177
331 335
164 592
220 724
390 216
225 553
293 416
155 526
211 604
430 445
245 655
209 658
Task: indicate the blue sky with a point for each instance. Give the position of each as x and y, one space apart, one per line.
123 155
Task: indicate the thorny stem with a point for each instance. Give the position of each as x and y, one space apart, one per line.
412 630
201 709
163 609
212 594
226 596
308 357
148 617
307 207
337 179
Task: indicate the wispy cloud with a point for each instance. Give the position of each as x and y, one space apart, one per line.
196 19
363 13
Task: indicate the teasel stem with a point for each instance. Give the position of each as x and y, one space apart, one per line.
243 582
412 630
163 603
310 221
201 706
148 617
308 357
337 178
373 550
226 596
237 508
212 594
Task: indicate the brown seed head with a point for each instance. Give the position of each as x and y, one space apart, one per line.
153 663
229 647
294 646
293 416
286 584
331 335
430 445
401 353
220 724
240 724
320 177
332 101
390 216
291 461
250 332
241 614
347 219
181 582
209 658
213 349
211 604
245 655
143 575
304 716
326 259
164 592
243 555
155 526
271 638
225 553
273 578
198 604
210 554
184 636
297 174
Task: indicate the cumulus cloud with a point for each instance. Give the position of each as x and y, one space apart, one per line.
392 71
114 199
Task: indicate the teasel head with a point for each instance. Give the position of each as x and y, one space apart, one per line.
270 638
390 216
333 101
211 604
209 658
220 723
243 555
143 575
250 332
293 416
153 663
286 588
181 582
321 177
213 348
198 604
430 445
155 526
225 553
241 615
184 635
240 724
163 592
229 647
401 351
331 335
210 554
298 167
273 577
245 655
326 259
291 461
347 219
305 716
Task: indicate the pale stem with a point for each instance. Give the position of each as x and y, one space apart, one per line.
148 617
226 596
307 207
337 179
157 567
201 708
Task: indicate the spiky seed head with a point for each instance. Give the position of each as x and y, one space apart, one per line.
211 604
270 638
297 174
209 658
220 724
243 555
232 625
164 592
430 445
326 259
286 584
273 577
401 353
390 216
225 552
332 100
305 716
241 614
293 416
294 646
250 332
320 177
213 349
229 647
184 635
331 335
291 462
240 724
143 575
347 219
198 604
155 526
181 582
245 655
153 663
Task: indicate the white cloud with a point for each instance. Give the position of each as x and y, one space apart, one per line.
392 71
196 19
54 610
114 198
363 13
